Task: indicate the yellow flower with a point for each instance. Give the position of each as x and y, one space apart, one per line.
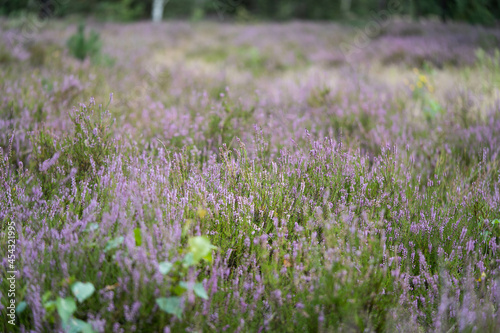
422 78
483 276
201 213
419 85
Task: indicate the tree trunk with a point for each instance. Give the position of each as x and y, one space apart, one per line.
157 12
345 7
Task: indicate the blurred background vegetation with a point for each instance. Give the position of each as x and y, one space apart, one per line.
484 12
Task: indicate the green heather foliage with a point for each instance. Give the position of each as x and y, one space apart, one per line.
81 153
251 178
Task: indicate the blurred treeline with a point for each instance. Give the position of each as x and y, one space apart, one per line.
473 11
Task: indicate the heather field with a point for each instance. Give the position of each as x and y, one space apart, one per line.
254 177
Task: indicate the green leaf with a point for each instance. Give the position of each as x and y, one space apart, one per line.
201 248
495 221
93 226
46 296
188 260
199 290
82 291
208 257
165 267
171 305
49 306
76 326
65 307
21 307
114 243
179 289
186 285
138 236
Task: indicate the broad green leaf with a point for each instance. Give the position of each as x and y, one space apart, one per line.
165 267
208 257
188 260
78 326
201 248
46 296
179 290
93 226
138 236
21 307
186 285
49 306
199 290
65 307
114 243
495 221
171 305
82 291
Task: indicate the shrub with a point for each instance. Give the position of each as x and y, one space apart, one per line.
81 46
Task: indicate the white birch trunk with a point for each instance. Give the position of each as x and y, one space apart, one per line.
157 12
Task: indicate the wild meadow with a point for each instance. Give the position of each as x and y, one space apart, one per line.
256 177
